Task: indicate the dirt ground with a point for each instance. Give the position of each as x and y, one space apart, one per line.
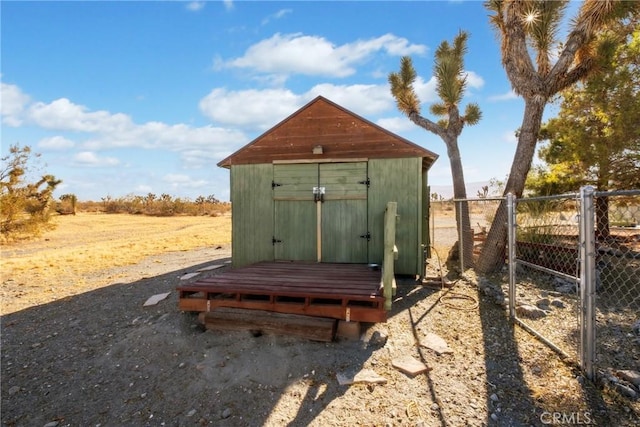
80 349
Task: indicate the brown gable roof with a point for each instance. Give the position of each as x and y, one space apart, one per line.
341 133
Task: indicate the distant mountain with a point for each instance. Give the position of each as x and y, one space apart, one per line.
446 191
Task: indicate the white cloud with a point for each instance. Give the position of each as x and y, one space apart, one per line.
313 55
426 91
509 136
179 181
13 104
396 124
474 80
195 6
200 158
257 109
178 138
262 109
110 130
91 159
278 15
504 97
56 143
361 99
62 115
143 188
228 4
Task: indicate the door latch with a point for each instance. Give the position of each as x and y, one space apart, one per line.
366 236
318 194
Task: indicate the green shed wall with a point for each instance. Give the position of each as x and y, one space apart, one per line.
401 181
252 214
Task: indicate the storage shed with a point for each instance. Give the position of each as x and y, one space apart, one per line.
315 187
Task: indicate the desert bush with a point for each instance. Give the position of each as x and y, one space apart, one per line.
25 207
67 204
152 205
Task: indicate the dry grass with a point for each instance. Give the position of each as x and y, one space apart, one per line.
490 356
86 243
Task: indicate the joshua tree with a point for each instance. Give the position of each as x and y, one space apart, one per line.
530 27
451 83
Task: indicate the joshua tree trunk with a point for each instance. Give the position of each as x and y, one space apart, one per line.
465 234
493 252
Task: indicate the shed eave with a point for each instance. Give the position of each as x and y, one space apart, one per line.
408 148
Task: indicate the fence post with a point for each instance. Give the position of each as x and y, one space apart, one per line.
511 245
390 253
458 208
587 281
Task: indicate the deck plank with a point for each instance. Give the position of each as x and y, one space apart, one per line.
339 291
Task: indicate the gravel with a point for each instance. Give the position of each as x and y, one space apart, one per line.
101 358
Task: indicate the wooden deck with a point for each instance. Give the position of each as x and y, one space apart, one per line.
339 291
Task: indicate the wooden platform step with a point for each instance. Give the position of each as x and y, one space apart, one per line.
258 321
348 292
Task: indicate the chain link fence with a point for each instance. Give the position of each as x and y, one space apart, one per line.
544 275
617 314
444 231
574 273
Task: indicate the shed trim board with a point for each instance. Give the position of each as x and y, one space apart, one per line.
287 162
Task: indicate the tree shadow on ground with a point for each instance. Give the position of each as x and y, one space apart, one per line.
102 358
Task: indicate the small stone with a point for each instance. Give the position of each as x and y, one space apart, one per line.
226 413
13 390
434 407
494 417
52 424
628 375
636 327
378 338
543 303
435 343
191 413
494 397
557 303
530 312
626 391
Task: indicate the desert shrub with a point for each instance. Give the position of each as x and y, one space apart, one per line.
25 207
152 205
67 205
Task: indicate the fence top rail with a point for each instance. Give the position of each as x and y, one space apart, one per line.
481 199
553 197
617 193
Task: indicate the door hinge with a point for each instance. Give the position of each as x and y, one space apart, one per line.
275 184
274 241
366 236
365 182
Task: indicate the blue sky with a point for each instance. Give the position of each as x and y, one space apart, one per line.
146 97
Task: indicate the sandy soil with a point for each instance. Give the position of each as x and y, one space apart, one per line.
80 349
